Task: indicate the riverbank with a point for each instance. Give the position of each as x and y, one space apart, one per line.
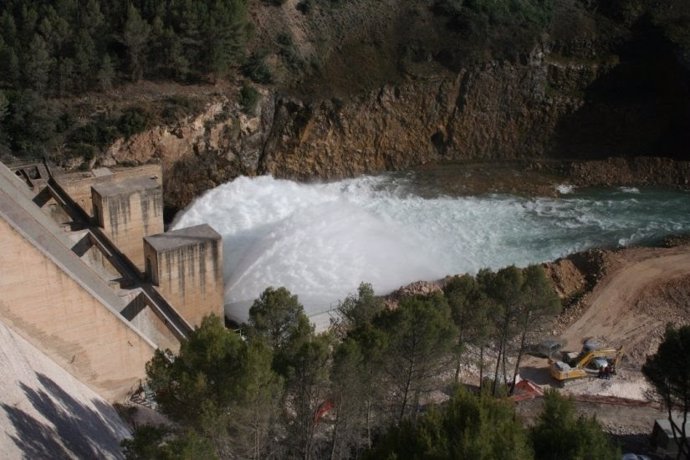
550 177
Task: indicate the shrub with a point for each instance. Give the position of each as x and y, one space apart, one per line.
134 120
256 69
249 98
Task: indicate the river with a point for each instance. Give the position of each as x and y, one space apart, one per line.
321 240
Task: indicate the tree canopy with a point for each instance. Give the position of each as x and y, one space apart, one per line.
282 390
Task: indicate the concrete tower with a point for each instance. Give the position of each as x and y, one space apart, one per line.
187 267
127 211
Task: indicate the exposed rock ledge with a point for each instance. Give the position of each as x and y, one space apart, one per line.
497 113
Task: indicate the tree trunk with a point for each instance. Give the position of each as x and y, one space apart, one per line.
459 360
519 357
498 368
481 368
406 392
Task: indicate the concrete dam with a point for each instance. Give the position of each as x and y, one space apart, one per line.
90 279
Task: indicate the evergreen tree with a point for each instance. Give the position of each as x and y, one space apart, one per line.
85 59
37 64
221 389
305 365
419 337
91 18
255 419
135 36
225 34
358 390
537 302
468 427
354 312
560 435
503 289
64 77
106 73
276 316
469 310
31 124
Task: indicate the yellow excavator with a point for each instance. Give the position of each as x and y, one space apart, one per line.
594 360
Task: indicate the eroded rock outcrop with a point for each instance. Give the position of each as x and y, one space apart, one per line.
500 111
201 152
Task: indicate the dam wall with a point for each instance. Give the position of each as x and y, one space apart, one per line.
75 288
48 299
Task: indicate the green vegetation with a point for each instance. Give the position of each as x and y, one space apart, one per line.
560 434
249 98
58 48
468 427
51 50
668 370
362 389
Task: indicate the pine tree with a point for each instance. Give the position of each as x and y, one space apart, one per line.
419 339
135 36
537 302
468 427
85 59
225 34
561 435
37 64
469 309
106 73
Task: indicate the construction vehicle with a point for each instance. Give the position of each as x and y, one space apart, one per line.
594 360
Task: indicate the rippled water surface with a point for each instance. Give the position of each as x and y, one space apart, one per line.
321 240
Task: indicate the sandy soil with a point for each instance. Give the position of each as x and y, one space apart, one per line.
614 305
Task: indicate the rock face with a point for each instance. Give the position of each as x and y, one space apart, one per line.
201 152
541 107
501 111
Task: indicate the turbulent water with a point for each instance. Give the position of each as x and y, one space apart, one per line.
321 240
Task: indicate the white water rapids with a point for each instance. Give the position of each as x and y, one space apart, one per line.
321 240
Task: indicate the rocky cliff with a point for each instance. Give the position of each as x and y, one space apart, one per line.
581 100
500 111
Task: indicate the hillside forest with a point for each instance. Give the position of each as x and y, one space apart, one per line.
52 53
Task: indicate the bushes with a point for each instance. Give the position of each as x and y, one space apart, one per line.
134 120
249 98
256 69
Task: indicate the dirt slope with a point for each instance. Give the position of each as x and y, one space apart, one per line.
628 306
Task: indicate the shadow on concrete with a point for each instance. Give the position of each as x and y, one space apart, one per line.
73 429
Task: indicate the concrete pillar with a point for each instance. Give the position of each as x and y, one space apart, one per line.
127 211
187 267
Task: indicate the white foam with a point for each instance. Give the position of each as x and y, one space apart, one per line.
321 240
565 189
629 190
